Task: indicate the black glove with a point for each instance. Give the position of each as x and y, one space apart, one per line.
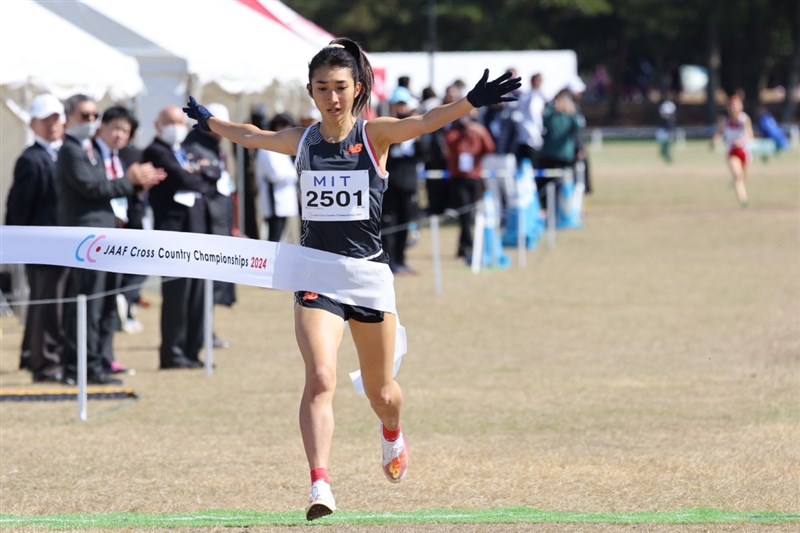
487 93
199 113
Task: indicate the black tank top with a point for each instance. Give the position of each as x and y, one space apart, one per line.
353 238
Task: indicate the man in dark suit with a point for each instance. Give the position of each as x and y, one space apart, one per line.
84 199
114 133
137 219
207 146
178 205
32 202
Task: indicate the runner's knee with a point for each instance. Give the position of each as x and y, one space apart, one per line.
382 395
322 381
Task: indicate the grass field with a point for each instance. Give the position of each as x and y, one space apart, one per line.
643 375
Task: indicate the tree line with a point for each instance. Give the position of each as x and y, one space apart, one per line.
746 45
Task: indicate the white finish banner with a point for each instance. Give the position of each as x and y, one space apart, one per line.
174 254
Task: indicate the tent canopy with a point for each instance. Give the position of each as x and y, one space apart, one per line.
67 62
279 12
223 41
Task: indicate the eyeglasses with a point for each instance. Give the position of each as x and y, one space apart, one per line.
90 116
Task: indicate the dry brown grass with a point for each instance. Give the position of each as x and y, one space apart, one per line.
648 363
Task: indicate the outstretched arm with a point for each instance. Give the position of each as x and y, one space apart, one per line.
386 131
247 135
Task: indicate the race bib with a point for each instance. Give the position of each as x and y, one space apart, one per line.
335 195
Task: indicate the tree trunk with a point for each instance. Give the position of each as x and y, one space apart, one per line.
793 74
618 66
713 64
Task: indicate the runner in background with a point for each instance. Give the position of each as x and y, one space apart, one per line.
736 130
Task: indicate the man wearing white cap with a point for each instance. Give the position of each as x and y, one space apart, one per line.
32 201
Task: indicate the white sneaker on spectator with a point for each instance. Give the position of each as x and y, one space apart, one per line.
321 502
131 325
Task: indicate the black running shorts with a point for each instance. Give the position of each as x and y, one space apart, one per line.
312 300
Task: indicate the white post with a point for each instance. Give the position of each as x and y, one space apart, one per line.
597 140
477 241
580 187
437 254
794 135
81 341
680 138
522 238
551 214
208 303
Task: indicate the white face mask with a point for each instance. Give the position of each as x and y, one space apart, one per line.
174 134
83 131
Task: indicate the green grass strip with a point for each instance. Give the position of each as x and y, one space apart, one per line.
515 515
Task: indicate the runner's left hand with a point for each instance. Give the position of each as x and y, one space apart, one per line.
493 92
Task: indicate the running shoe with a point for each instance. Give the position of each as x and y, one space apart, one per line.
395 458
321 502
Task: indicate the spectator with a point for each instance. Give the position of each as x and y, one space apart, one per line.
178 204
562 124
84 194
577 89
32 201
432 149
531 106
138 218
114 133
401 198
277 179
204 150
665 132
467 142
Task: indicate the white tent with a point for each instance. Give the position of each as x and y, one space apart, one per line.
284 15
165 75
223 41
558 68
42 52
218 50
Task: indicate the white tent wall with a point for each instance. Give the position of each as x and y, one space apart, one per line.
557 67
30 66
164 74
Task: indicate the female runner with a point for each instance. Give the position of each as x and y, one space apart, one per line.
342 144
736 130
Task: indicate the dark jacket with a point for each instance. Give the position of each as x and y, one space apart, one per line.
84 191
198 147
169 214
32 200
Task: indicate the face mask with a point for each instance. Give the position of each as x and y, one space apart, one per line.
174 134
83 131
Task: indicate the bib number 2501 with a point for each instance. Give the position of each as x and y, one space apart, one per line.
335 195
